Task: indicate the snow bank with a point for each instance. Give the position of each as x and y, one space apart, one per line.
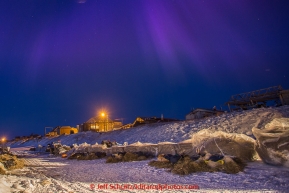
167 148
186 148
272 142
219 142
142 147
117 149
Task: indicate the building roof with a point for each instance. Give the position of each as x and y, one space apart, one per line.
98 119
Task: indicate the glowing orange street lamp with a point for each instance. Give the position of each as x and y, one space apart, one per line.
3 140
104 116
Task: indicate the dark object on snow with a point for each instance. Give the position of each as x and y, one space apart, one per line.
100 154
195 157
128 157
233 165
240 163
107 143
161 164
9 162
50 148
272 142
186 165
76 155
87 156
173 158
144 154
119 155
216 157
32 149
112 159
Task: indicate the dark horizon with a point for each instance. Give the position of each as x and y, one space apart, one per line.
61 62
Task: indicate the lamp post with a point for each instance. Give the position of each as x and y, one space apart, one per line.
3 141
105 117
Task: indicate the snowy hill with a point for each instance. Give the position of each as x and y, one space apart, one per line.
48 173
233 122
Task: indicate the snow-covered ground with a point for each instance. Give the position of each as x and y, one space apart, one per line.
46 173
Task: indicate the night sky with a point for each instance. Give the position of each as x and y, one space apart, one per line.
63 61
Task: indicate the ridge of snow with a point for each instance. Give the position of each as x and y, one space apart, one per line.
240 122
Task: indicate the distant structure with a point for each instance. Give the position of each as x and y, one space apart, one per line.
64 130
127 126
148 120
32 136
99 124
201 113
272 96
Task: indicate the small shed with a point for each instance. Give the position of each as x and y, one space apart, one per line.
64 130
200 113
67 130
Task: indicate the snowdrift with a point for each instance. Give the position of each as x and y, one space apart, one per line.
167 148
272 142
219 142
142 147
